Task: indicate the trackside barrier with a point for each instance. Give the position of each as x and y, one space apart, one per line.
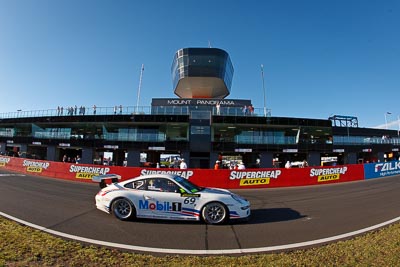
381 169
230 179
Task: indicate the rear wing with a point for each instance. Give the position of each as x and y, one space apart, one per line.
101 179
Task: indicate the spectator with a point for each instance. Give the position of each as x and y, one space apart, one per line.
244 110
94 109
216 166
251 109
218 108
288 165
304 164
183 164
241 166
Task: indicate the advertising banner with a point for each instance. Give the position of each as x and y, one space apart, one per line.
230 179
269 178
381 169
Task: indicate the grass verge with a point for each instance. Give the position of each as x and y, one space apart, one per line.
23 246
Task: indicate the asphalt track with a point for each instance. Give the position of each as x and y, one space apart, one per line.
282 218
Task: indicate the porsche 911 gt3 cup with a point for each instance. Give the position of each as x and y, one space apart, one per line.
170 197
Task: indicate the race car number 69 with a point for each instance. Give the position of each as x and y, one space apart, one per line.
189 200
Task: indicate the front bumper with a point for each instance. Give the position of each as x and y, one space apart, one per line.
242 212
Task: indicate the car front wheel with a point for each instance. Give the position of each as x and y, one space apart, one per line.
123 209
215 213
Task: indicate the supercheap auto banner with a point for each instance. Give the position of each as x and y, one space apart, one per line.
231 179
69 171
381 169
268 178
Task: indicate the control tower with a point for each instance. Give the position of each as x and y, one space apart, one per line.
202 73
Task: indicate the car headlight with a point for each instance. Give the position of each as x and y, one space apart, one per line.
244 207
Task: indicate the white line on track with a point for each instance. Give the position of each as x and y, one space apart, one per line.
202 251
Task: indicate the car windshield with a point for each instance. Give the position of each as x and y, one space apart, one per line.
187 184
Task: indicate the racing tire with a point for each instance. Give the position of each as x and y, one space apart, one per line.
123 209
215 213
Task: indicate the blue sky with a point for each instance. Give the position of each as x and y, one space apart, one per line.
320 58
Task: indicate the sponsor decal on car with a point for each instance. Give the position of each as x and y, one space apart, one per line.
190 195
328 174
248 178
190 212
84 172
35 166
160 206
105 192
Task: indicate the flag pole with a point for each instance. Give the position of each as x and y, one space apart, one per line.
140 85
263 84
386 123
398 121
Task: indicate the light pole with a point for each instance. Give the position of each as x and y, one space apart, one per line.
140 86
263 84
398 121
387 113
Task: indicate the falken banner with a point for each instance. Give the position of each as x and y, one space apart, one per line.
381 169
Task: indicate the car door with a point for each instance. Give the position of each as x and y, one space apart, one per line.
164 199
140 197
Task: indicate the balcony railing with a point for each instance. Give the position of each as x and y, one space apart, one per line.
362 140
128 110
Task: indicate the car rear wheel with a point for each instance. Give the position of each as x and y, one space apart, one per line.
215 213
123 209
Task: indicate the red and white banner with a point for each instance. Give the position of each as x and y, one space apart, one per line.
230 179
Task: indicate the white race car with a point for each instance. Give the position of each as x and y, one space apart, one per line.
170 197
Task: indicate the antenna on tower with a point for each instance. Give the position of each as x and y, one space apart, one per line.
209 44
140 86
